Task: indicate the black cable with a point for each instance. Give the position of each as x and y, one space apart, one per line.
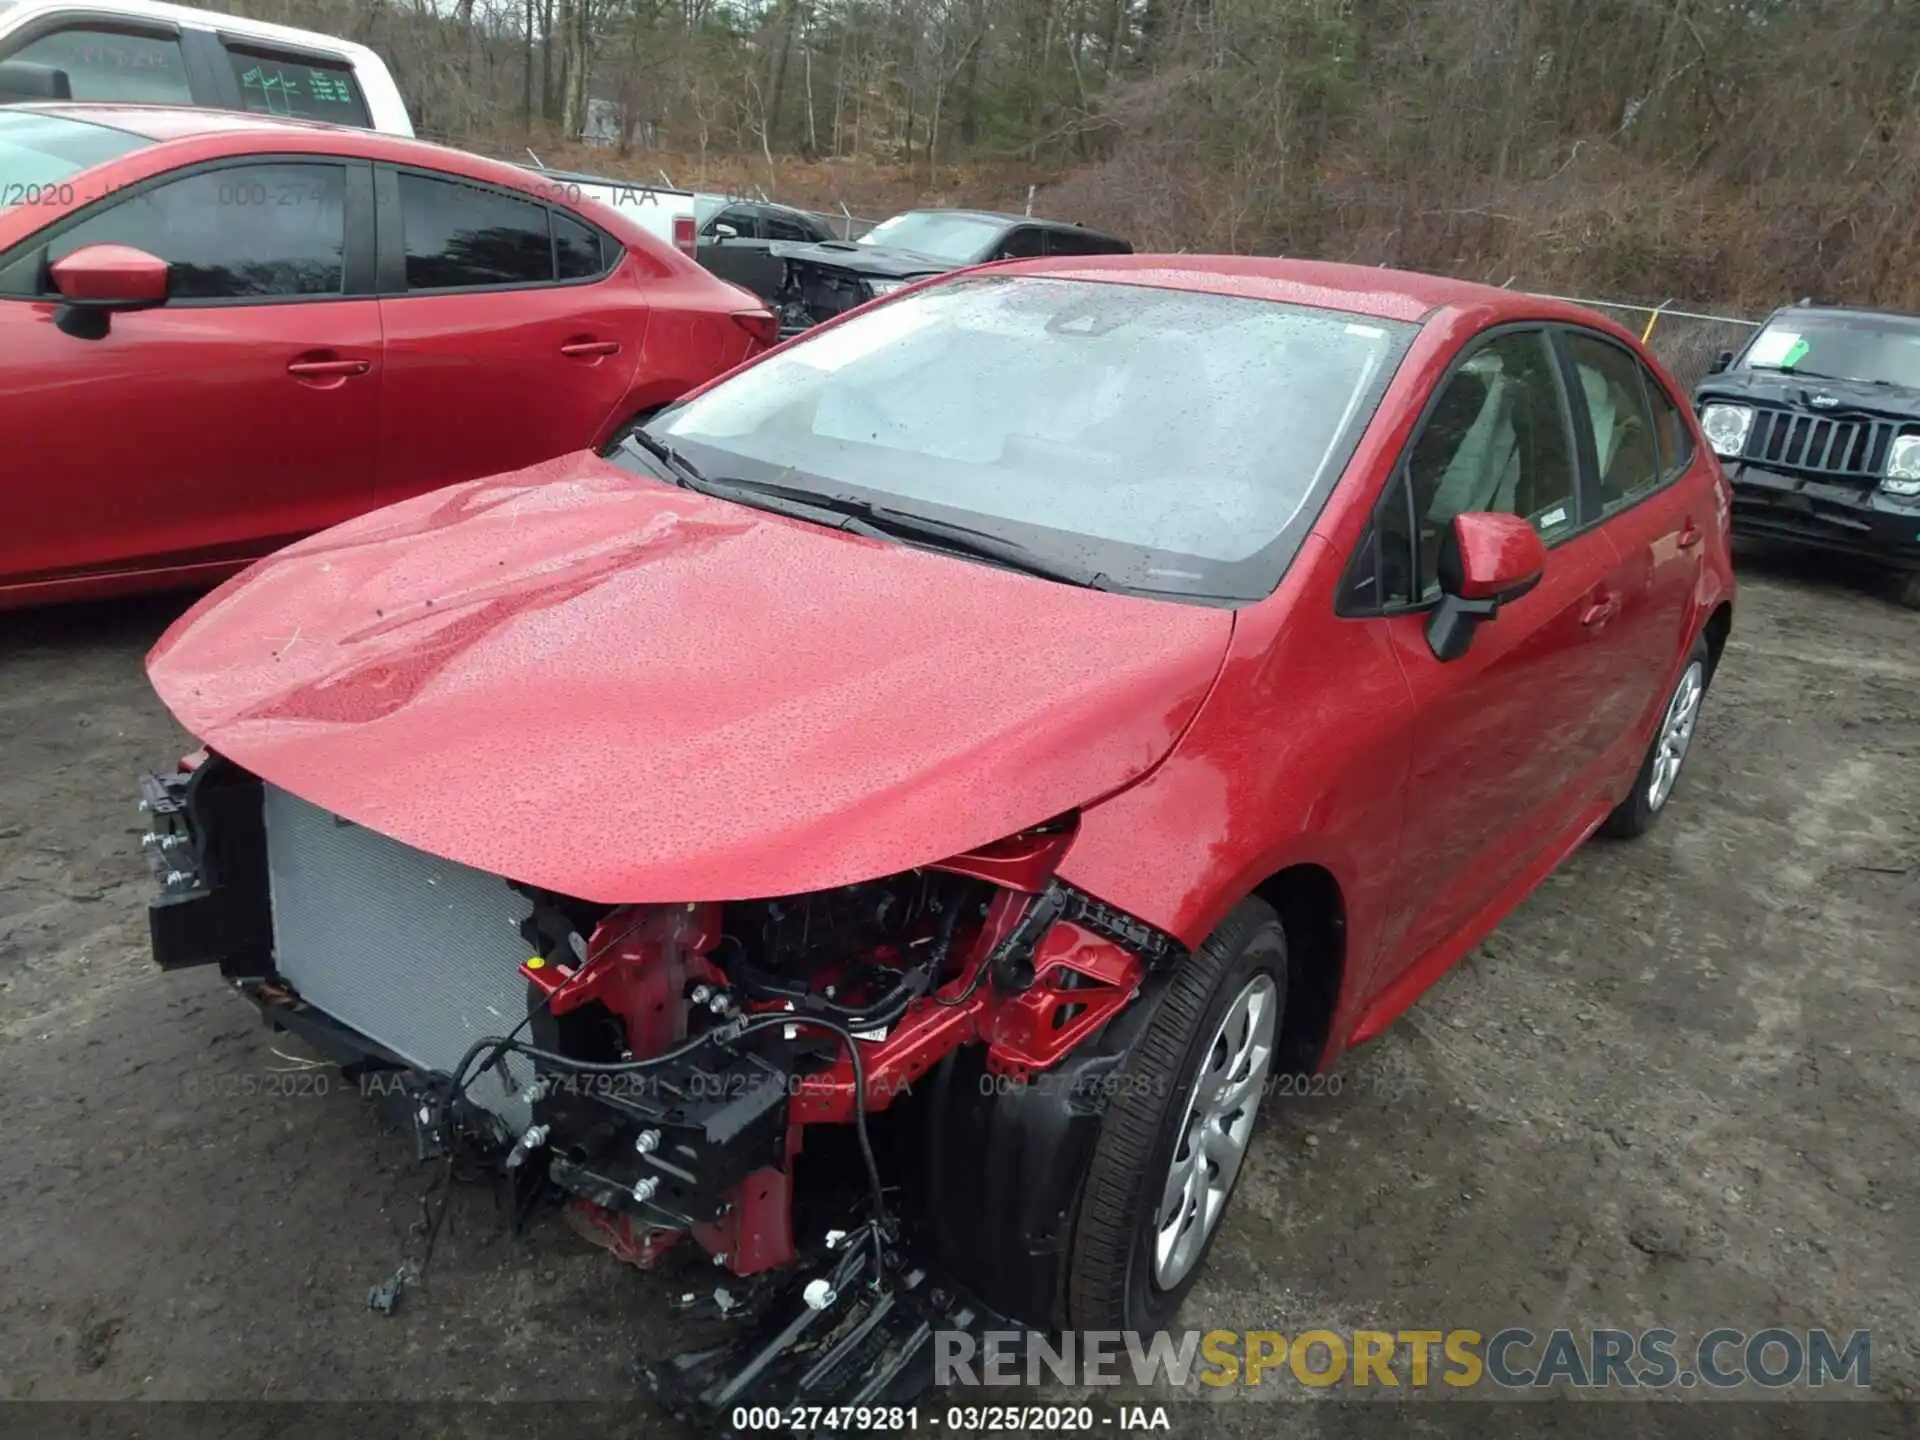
460 1082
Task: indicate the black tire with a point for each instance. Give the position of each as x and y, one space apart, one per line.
1110 1268
1906 590
1634 816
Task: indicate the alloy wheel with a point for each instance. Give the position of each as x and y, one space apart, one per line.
1214 1134
1676 734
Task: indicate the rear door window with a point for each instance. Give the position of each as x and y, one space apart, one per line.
245 232
1670 429
114 64
578 251
459 237
299 87
1626 457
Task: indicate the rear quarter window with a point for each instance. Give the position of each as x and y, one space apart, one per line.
302 87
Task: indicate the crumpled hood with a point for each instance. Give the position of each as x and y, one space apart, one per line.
880 261
600 684
1848 398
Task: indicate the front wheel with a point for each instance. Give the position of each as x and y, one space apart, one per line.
1660 771
1177 1129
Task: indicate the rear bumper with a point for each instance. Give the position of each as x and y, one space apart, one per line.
1847 519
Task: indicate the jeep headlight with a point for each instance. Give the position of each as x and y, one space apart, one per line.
1726 428
1903 467
877 288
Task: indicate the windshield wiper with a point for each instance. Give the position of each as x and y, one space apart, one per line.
680 470
946 535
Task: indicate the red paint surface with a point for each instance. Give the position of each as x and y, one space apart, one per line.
630 693
109 272
1435 795
1497 554
663 696
181 445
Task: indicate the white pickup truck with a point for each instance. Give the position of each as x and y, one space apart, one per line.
147 53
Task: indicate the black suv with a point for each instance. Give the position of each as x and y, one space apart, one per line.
1817 421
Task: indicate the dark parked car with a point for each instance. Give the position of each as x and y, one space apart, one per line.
821 280
736 235
1818 423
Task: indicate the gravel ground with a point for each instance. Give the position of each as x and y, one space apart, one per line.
1677 1088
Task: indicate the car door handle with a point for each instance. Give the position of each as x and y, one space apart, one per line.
328 369
590 347
1600 611
1691 535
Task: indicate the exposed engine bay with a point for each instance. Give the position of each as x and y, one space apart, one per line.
670 1071
813 289
812 293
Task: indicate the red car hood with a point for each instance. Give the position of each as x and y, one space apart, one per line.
618 690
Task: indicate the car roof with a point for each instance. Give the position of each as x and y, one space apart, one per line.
1360 289
726 202
240 27
182 122
186 134
1003 217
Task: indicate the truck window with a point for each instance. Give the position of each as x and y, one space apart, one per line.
303 87
107 64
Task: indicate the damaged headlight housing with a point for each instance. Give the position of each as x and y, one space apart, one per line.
1903 467
1726 428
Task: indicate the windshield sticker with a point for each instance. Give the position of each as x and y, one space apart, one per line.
1774 348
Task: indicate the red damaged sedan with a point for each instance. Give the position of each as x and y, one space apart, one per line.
219 332
889 824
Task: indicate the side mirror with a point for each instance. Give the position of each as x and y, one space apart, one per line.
24 80
96 280
1720 362
1486 561
725 232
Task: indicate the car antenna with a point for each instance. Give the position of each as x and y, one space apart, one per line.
538 163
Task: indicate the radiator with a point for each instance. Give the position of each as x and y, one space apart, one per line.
413 951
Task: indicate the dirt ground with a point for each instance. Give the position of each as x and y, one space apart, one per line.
1678 1087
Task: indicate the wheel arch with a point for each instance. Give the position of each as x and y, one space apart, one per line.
1718 627
1313 912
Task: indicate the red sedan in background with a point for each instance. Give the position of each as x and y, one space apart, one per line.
219 332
